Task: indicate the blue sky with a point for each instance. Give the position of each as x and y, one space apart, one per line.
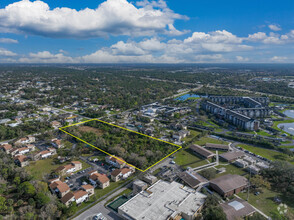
146 31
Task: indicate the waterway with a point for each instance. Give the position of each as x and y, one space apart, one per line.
288 127
187 96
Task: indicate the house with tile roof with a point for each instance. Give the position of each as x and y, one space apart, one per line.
119 174
80 196
99 179
117 162
59 188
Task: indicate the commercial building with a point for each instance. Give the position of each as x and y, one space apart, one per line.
222 147
229 184
192 179
201 151
232 156
162 201
237 209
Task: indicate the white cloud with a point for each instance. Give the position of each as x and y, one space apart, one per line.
272 38
8 41
242 59
217 41
6 53
214 37
47 57
279 59
112 17
274 27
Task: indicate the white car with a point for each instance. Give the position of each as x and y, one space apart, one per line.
99 216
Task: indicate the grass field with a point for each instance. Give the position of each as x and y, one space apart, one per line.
191 136
263 133
42 167
205 140
231 169
269 154
185 158
264 201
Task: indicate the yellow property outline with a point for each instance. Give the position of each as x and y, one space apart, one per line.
95 119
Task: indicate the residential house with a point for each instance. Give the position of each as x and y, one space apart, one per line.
21 160
44 154
119 174
57 143
55 124
99 179
89 189
181 134
68 198
69 168
31 147
117 162
60 188
6 147
81 196
26 140
22 150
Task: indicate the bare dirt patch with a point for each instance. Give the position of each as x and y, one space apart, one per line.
96 131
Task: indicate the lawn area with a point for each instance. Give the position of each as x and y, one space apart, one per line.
264 133
264 201
191 136
269 154
205 140
231 169
42 167
185 158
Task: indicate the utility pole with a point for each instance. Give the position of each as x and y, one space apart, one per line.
248 188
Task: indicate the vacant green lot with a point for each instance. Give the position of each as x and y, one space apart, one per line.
186 158
269 154
44 167
191 136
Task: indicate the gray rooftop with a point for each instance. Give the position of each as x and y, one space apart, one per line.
162 200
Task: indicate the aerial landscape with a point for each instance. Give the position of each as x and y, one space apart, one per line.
146 110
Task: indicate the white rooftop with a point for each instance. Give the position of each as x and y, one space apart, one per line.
236 205
162 200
